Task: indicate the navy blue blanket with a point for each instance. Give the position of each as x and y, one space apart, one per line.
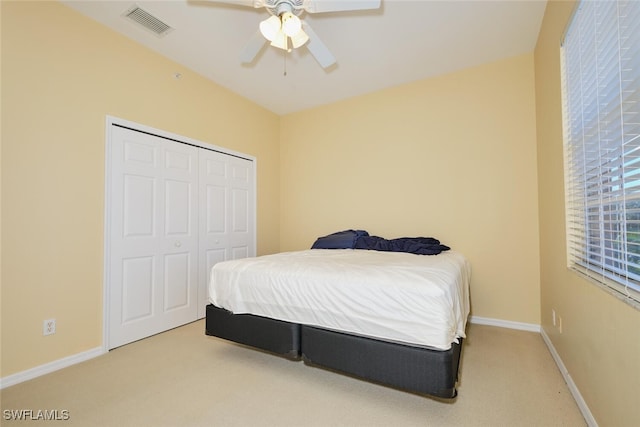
414 245
360 239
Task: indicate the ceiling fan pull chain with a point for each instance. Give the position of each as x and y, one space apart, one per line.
285 64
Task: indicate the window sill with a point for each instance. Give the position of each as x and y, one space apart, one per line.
611 287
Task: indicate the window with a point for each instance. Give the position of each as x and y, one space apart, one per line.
601 106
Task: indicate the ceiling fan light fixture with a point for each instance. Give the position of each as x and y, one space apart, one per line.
299 39
280 41
270 28
291 24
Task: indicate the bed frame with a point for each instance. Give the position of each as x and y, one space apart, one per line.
409 368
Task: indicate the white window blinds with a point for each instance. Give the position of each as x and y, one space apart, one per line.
601 105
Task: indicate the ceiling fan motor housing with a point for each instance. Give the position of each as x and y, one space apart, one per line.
278 7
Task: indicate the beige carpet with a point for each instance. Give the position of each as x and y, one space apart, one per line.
184 378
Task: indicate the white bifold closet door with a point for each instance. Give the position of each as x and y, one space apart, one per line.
226 214
175 210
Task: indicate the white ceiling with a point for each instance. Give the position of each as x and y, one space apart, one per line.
403 41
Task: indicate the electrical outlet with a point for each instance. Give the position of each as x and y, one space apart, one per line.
49 327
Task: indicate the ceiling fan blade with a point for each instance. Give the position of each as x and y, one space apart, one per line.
319 51
320 6
252 48
248 3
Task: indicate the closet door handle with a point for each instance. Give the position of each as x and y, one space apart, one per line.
177 244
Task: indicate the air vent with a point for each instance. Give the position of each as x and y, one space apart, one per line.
148 21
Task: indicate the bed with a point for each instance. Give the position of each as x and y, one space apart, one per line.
394 318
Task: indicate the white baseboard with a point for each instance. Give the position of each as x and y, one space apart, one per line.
50 367
531 327
582 405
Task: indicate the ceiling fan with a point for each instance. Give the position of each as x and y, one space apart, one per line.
285 30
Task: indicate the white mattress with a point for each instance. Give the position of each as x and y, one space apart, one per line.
415 299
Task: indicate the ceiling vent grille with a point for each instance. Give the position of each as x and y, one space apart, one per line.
147 20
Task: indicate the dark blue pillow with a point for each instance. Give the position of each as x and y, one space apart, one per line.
341 240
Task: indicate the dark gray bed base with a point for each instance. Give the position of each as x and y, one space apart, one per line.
414 369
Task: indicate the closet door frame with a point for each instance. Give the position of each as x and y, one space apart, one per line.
112 121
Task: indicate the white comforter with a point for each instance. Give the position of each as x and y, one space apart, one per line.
415 299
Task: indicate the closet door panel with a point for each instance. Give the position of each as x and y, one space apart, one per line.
177 281
153 242
138 206
137 289
242 210
216 208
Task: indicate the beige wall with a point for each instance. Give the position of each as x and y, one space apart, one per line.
600 339
62 74
452 157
